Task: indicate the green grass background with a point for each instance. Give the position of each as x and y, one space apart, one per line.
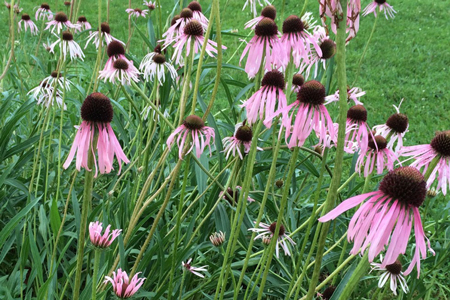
408 56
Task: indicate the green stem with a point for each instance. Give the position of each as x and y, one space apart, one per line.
357 274
335 181
95 273
187 78
87 197
431 167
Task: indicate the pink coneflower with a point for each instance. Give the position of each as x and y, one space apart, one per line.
352 94
197 12
437 153
193 33
99 240
311 114
217 238
122 286
394 273
105 36
97 114
58 80
154 65
267 12
27 23
269 230
136 12
296 40
327 50
59 22
150 4
353 16
395 129
68 46
397 201
45 93
357 133
118 67
381 5
241 140
233 196
297 81
376 154
16 7
265 41
201 136
194 270
252 5
262 103
84 24
176 29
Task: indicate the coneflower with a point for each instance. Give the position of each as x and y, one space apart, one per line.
68 46
267 12
266 230
136 12
44 12
103 35
60 22
27 23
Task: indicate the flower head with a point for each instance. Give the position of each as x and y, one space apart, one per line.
297 81
201 136
124 287
121 70
357 132
68 46
265 42
394 273
381 5
102 35
150 4
438 151
59 22
352 94
217 238
99 240
269 230
97 114
194 270
395 204
263 102
395 127
196 9
27 23
267 12
154 65
44 12
376 153
84 24
176 29
136 12
241 140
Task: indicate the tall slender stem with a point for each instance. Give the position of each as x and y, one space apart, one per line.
335 181
95 273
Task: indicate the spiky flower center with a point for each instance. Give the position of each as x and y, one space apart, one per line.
273 78
82 19
45 6
269 12
186 13
398 123
244 134
26 17
194 122
97 108
67 36
104 27
328 47
138 10
406 184
298 80
357 113
159 59
266 28
395 268
115 48
279 183
120 64
292 24
379 143
174 20
195 6
312 93
67 3
441 143
61 17
55 74
380 2
273 226
193 28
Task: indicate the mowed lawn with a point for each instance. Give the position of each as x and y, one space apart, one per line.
408 57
